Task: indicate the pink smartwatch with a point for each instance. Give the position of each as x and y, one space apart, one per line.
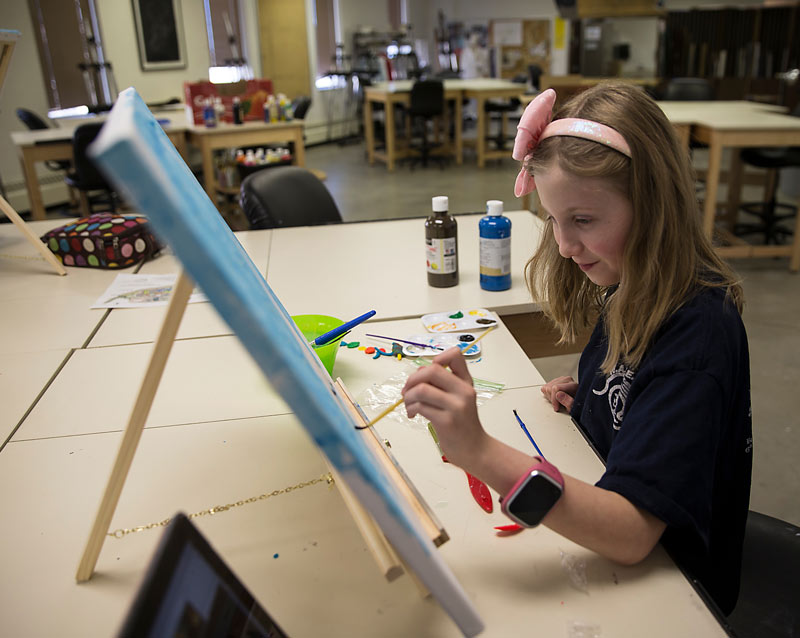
534 494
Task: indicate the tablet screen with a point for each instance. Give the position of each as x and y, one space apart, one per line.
190 592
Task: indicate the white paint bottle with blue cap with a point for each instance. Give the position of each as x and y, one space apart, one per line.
495 247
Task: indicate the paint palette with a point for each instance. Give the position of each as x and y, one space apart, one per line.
459 320
445 341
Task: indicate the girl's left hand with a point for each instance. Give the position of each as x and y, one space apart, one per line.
447 399
560 392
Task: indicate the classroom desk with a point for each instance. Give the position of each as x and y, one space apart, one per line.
738 126
248 134
141 325
41 310
381 265
390 93
344 281
333 260
23 376
482 90
34 147
304 546
339 261
734 125
216 379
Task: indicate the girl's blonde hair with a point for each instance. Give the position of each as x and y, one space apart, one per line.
667 256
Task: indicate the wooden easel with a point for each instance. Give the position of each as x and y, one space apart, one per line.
387 559
7 41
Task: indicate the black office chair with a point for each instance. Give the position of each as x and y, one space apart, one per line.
770 212
36 123
769 596
498 110
86 177
425 103
286 196
300 106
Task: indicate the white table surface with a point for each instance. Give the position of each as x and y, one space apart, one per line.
55 311
215 379
300 554
22 378
344 270
714 112
141 325
65 127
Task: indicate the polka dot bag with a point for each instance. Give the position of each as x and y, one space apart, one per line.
103 240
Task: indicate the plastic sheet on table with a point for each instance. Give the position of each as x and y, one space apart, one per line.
381 395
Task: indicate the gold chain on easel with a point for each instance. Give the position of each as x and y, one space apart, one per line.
217 509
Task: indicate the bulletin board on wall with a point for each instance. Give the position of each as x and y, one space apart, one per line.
520 43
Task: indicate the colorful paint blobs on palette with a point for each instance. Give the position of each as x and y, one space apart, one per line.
442 341
459 320
397 351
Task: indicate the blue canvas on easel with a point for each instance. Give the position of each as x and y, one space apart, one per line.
137 156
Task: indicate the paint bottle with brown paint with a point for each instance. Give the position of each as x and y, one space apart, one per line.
441 245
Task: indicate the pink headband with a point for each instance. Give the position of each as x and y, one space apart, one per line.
535 125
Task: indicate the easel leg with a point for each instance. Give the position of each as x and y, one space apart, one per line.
133 431
387 559
44 251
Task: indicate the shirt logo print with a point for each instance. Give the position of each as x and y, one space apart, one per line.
618 385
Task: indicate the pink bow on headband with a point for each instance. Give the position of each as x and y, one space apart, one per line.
534 120
535 125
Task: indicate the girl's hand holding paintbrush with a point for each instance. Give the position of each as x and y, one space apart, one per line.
447 399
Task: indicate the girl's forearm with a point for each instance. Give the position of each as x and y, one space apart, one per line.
598 519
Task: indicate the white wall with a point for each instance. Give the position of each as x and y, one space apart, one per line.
119 37
642 36
332 112
474 11
358 14
25 83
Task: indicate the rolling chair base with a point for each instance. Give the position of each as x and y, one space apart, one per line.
770 218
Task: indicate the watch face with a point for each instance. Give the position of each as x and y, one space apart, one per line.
534 499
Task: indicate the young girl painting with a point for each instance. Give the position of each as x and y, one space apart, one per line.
663 384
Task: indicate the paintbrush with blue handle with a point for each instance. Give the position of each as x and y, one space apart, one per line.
340 330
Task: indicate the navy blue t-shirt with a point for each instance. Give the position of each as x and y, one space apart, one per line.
676 436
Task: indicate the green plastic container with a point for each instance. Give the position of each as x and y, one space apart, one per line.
312 326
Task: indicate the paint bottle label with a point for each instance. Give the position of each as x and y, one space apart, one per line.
440 255
495 256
